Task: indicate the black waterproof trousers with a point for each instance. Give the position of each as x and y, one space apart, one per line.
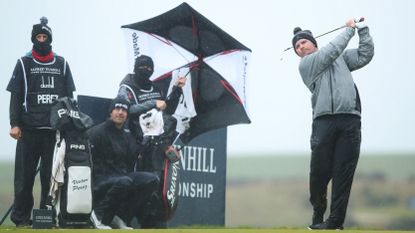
33 145
335 146
123 195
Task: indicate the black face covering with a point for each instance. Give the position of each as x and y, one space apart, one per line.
142 74
142 78
42 48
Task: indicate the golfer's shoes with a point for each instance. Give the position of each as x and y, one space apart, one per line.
97 223
118 223
326 225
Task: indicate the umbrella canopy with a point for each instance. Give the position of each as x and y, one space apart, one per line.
184 42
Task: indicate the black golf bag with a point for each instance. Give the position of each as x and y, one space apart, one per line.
164 203
71 181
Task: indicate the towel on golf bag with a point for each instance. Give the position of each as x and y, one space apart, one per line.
57 178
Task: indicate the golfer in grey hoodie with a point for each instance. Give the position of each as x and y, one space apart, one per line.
336 130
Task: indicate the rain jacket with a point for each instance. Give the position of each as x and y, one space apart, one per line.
327 73
113 150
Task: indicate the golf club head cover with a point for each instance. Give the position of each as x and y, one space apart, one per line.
172 154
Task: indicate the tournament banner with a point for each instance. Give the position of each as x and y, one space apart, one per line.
202 171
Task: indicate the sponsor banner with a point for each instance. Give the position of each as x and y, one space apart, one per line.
202 181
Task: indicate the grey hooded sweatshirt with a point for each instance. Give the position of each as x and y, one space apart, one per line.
327 73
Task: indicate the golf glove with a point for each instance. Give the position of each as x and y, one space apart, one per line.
360 25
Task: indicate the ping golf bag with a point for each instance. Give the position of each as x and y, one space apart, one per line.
71 186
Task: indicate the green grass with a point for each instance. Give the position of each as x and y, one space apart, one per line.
227 230
271 193
202 230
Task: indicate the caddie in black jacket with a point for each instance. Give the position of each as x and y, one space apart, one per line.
39 78
118 190
153 126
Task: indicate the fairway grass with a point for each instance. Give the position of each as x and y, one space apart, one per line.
224 230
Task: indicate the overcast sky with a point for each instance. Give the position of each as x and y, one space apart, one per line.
87 33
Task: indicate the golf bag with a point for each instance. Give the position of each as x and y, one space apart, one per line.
163 203
71 185
166 160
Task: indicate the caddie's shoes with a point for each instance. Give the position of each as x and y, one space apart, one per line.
97 223
25 224
118 223
326 225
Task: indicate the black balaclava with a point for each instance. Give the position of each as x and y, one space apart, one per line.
142 76
42 48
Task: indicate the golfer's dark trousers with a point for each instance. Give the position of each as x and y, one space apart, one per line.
122 194
335 146
33 145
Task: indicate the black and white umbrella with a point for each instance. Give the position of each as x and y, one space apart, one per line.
184 42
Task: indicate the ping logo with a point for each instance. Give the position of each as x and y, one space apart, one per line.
71 113
77 146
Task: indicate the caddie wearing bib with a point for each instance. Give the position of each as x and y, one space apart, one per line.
39 78
152 124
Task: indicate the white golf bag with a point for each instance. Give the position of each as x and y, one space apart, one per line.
71 181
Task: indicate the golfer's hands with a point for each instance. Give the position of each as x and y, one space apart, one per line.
181 81
16 132
351 23
161 105
356 23
360 23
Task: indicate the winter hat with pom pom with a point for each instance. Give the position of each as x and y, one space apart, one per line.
303 34
42 28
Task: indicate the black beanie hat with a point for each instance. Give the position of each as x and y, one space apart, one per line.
303 34
119 102
143 60
42 28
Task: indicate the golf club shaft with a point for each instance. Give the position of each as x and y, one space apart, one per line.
319 36
6 214
360 20
330 31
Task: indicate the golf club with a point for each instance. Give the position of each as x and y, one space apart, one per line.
291 47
